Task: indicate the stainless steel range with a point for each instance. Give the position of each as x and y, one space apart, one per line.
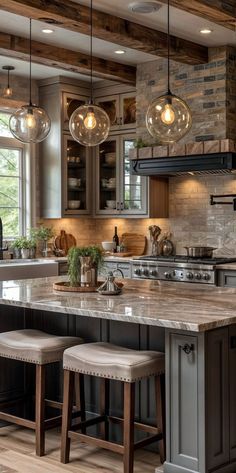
178 268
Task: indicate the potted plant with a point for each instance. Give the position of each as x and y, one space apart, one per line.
43 234
84 263
16 247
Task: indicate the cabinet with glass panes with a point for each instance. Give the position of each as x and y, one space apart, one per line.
77 178
121 109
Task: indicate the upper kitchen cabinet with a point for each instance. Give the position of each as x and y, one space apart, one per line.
120 104
64 164
70 102
118 192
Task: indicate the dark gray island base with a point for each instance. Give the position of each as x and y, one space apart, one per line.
195 326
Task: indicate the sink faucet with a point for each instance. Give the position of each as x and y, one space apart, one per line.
1 241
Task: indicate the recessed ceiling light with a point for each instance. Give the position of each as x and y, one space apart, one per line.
144 7
120 51
206 31
47 31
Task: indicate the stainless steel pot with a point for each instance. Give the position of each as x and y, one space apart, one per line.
200 251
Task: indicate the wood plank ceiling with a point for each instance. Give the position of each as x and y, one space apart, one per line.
74 17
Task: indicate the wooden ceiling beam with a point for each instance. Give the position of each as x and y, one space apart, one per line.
73 61
74 17
217 11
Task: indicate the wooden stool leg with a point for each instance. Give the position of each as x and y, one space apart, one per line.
129 406
39 410
160 406
80 398
104 407
66 414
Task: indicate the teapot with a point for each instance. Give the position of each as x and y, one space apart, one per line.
110 287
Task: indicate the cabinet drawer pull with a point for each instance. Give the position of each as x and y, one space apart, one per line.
187 348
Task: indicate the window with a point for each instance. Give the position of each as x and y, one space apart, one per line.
12 181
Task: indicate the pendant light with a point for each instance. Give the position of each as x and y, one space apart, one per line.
30 124
89 124
7 91
168 117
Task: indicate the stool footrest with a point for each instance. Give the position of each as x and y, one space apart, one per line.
89 422
114 447
147 441
144 427
17 420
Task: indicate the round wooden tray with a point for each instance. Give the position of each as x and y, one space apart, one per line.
65 287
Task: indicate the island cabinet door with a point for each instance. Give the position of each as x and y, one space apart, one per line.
185 403
232 394
217 398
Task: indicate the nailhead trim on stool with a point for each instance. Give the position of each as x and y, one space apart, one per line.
106 360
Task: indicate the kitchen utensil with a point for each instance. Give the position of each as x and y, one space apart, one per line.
111 204
64 241
134 243
73 204
200 251
108 245
167 247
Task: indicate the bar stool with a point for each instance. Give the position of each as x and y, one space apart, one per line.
38 348
108 361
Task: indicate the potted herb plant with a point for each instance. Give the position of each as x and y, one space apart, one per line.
43 234
84 263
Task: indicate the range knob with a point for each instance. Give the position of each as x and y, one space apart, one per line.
153 272
189 275
167 275
206 276
145 272
198 276
137 272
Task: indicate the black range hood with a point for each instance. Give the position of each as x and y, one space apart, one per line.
216 163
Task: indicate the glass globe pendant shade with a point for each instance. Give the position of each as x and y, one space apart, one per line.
89 125
30 124
7 92
168 118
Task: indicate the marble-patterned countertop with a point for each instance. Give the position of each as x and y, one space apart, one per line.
180 306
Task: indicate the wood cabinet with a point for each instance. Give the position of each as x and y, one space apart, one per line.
226 277
75 180
59 96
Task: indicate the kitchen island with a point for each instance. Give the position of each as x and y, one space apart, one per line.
194 325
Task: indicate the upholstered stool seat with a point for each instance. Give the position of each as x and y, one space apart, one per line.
108 361
34 346
111 361
38 348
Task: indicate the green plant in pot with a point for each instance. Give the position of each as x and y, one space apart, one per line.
24 247
43 234
84 263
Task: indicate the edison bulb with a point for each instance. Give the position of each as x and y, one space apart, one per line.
7 92
168 115
90 121
30 121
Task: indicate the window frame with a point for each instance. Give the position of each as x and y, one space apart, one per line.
29 180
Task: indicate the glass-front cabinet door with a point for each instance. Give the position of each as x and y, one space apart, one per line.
133 189
70 103
77 173
111 106
128 110
107 177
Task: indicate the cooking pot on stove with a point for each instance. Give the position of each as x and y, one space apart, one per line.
200 251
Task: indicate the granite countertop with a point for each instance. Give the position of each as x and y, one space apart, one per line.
171 305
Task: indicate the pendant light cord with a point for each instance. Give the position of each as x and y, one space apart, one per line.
168 45
91 51
8 78
30 60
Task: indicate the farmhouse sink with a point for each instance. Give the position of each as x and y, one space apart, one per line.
28 268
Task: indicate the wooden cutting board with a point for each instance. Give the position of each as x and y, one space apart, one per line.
134 243
64 241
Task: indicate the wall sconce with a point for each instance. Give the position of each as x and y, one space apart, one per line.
7 91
